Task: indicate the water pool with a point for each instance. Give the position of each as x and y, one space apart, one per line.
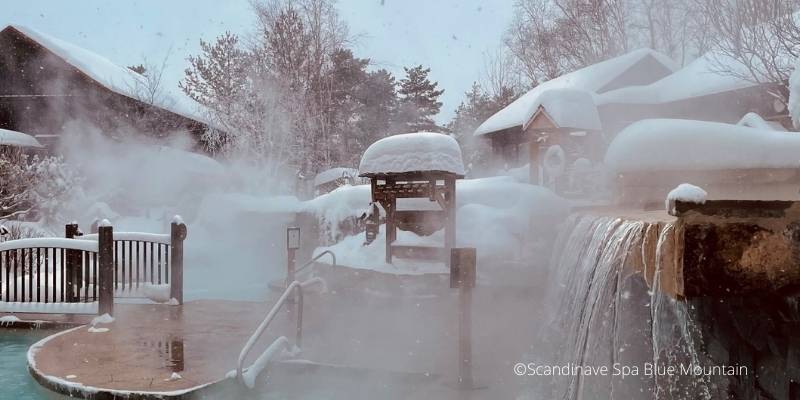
15 381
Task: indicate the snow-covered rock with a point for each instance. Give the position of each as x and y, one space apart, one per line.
685 192
408 152
683 145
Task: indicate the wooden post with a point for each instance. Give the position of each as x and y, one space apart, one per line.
177 236
450 227
390 206
105 260
533 155
462 276
72 265
292 244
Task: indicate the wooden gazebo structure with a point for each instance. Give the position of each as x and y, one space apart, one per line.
389 164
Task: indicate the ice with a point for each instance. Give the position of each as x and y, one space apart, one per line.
685 192
408 152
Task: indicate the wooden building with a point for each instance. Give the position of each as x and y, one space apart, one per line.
636 86
45 83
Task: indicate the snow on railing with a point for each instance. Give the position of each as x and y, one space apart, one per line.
50 243
163 238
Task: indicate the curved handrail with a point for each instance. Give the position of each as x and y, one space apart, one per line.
296 285
317 257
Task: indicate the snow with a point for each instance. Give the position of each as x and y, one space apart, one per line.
97 330
102 319
61 243
114 77
567 108
753 120
685 192
163 238
498 216
794 95
683 145
177 219
701 77
592 79
408 152
174 377
8 320
249 376
49 308
157 293
330 175
18 139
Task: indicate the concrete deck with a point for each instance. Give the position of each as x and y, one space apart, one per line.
354 327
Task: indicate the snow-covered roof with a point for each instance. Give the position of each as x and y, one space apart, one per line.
701 77
410 152
591 78
330 175
18 139
685 145
116 78
567 108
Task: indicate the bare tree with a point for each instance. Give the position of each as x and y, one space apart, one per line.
755 40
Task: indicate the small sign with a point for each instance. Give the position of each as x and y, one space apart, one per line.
462 267
292 238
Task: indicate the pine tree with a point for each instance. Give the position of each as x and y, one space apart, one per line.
419 100
219 74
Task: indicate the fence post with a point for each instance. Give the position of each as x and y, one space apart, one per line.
105 259
462 276
72 264
177 236
292 244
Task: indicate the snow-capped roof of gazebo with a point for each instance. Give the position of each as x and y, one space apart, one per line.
412 152
118 79
17 139
686 145
592 78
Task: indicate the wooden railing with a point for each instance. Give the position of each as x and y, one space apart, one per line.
82 274
149 265
57 275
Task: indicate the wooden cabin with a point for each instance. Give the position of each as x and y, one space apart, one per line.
45 83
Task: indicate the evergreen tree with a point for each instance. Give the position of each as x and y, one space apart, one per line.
419 100
218 75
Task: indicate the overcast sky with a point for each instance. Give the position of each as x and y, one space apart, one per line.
450 36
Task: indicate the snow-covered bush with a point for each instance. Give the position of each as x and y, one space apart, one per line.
35 188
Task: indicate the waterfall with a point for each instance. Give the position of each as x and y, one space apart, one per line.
608 315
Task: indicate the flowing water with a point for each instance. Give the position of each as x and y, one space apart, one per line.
609 316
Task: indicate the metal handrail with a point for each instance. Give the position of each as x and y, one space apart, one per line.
296 285
317 257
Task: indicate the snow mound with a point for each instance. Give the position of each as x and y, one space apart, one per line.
683 145
567 108
102 319
753 120
330 175
592 79
17 139
409 152
685 192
